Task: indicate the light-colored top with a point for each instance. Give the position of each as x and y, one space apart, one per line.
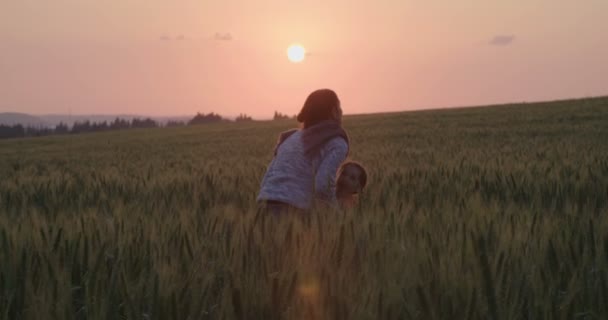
299 180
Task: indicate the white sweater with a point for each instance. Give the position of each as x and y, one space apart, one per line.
299 180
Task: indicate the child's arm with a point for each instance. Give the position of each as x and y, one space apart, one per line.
348 201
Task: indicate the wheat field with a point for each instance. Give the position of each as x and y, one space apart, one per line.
471 213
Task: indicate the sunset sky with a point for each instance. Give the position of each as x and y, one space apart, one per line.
161 57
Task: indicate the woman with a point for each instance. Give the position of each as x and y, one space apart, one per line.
303 171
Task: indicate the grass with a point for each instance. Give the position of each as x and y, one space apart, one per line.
473 213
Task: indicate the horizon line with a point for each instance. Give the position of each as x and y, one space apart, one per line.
345 114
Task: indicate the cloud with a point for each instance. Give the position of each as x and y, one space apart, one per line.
222 36
502 40
178 37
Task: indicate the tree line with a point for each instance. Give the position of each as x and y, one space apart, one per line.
21 131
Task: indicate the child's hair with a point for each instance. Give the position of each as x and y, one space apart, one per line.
362 176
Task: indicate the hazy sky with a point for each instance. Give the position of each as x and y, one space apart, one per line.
161 57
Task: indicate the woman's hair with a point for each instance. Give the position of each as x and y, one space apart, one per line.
319 106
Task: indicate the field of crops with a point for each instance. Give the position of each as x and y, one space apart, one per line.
474 213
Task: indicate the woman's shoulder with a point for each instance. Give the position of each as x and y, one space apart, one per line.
286 134
335 145
282 137
337 142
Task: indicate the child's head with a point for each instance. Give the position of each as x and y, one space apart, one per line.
352 178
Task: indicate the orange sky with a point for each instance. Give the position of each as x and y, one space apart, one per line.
161 57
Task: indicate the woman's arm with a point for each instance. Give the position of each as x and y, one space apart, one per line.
332 155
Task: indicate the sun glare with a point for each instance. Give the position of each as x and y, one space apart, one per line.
296 53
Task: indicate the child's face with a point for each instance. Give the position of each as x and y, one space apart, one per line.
350 179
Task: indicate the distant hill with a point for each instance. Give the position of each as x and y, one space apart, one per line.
55 119
12 118
52 120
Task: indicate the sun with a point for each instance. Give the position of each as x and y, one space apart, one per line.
296 53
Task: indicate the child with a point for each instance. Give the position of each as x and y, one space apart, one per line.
352 178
